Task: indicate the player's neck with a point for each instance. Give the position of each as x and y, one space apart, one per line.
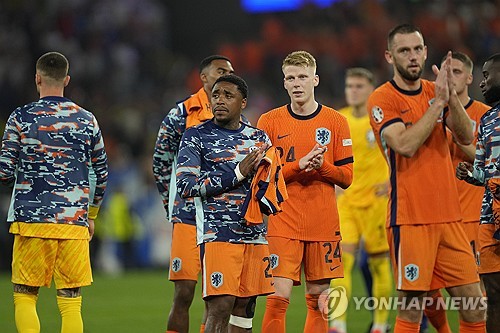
51 91
464 97
359 111
304 109
407 84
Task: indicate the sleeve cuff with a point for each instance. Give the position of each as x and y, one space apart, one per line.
238 173
93 210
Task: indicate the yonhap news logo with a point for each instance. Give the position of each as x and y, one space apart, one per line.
333 303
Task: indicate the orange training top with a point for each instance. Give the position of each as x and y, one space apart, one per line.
422 187
310 213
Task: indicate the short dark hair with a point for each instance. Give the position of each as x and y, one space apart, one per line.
208 60
236 80
401 29
464 58
53 65
360 72
494 58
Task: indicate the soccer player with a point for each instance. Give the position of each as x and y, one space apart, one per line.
184 255
428 246
470 196
316 149
215 167
363 206
484 172
53 156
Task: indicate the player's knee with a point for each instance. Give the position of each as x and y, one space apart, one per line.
474 316
184 293
24 289
250 308
69 292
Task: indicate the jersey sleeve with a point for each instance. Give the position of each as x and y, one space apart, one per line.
191 180
99 174
166 148
341 171
9 155
478 174
382 111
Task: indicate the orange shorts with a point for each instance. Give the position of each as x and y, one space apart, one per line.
184 254
471 231
241 270
431 256
322 260
35 261
489 250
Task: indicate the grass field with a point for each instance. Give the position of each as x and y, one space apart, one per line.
138 302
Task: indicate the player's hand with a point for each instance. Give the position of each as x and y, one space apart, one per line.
443 79
464 170
91 229
306 162
316 162
252 160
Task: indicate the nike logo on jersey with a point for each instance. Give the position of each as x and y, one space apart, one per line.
334 268
283 136
404 111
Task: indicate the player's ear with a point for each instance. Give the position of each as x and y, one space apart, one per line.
243 103
388 56
38 79
469 78
203 77
66 80
316 80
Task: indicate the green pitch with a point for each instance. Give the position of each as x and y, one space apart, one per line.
140 301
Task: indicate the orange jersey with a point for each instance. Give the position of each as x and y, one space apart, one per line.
422 187
470 196
310 213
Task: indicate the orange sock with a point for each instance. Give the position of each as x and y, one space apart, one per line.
465 327
437 314
314 320
172 332
202 328
274 317
403 326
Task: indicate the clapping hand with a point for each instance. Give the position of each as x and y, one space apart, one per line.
314 159
252 160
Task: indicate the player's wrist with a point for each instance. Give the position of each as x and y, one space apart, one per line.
238 173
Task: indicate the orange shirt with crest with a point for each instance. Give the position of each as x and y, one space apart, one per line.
310 213
422 187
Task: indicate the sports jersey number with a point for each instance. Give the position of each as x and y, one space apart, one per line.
290 155
268 267
336 253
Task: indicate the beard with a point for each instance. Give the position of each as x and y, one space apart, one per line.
409 76
492 95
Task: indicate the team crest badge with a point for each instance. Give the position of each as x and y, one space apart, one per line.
411 272
217 279
323 136
176 264
275 260
377 114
